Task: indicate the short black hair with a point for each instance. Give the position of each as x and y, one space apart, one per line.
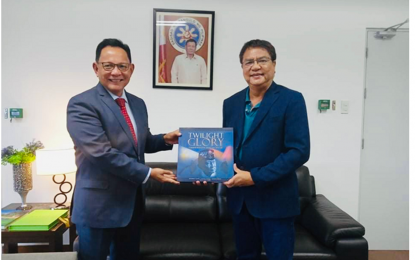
258 44
112 43
191 40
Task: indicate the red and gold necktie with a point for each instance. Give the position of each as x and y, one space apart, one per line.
121 104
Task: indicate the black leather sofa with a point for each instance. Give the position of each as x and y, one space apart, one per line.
192 222
188 222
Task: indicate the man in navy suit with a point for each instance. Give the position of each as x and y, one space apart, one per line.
109 128
271 140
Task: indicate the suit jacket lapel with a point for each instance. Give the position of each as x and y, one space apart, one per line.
239 113
109 101
269 99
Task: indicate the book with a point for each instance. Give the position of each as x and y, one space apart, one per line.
10 215
205 154
38 220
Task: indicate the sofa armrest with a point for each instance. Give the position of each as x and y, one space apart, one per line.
328 223
352 248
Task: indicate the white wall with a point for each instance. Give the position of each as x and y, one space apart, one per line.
48 48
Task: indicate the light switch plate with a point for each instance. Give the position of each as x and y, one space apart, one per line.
345 107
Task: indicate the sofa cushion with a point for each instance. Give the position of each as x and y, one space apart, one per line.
306 246
179 203
176 241
180 209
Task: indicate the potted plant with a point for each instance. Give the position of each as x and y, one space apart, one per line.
22 168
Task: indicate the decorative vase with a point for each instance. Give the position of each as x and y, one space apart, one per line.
23 182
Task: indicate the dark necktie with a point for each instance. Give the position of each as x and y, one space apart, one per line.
121 104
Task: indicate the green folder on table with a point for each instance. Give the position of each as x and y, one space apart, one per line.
38 220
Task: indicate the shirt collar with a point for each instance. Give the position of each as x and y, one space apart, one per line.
194 57
124 96
248 104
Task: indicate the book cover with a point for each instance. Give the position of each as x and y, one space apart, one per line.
205 154
38 220
10 215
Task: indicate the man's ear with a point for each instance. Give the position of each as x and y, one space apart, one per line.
132 67
95 67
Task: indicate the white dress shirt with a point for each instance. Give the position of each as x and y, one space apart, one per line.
130 114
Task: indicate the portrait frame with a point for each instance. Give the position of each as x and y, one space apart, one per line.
174 65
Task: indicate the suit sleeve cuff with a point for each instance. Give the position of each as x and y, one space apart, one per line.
148 176
256 177
167 144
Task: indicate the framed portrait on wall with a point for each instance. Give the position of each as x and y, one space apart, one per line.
183 49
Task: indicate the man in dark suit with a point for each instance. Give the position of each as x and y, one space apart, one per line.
271 140
109 128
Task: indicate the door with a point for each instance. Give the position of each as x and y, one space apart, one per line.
384 171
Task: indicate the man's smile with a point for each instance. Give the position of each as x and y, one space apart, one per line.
257 75
115 80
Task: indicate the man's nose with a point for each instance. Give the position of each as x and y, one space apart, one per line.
256 65
116 71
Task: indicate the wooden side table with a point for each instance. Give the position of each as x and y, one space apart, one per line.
53 236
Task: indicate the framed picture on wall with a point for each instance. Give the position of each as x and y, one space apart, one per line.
183 49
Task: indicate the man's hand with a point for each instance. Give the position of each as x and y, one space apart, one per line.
162 175
172 137
240 179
